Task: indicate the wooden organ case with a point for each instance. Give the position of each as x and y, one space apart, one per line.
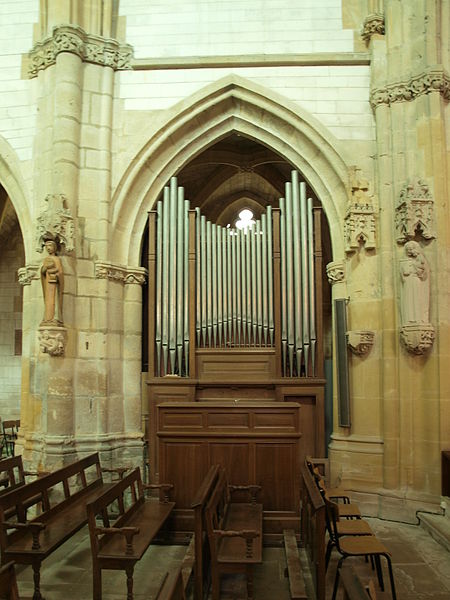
235 350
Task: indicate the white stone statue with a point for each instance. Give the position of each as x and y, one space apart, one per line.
415 276
52 279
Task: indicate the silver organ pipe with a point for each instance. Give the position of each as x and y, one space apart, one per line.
234 281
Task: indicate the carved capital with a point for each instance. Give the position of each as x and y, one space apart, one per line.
417 338
360 342
359 221
432 80
120 273
52 340
336 272
373 24
27 273
90 48
414 213
56 223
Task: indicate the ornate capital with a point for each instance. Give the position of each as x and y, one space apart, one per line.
55 223
119 273
52 340
360 342
359 221
414 213
28 273
336 272
90 48
432 80
373 24
417 338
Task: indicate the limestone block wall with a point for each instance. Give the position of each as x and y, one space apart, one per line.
17 109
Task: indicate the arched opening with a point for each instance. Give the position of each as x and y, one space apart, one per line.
12 257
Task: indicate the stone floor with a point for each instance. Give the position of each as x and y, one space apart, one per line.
421 569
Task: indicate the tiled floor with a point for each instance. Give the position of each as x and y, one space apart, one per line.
421 568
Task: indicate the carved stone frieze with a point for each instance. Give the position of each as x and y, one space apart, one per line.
336 272
417 338
373 24
28 273
55 223
360 342
120 273
414 213
90 48
52 340
359 221
432 80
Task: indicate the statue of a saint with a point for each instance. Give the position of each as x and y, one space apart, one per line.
52 279
415 276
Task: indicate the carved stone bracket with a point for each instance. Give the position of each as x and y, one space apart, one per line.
359 221
52 340
360 342
28 273
336 272
417 338
373 24
414 212
55 223
120 273
432 80
90 48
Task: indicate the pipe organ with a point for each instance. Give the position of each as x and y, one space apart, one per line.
222 288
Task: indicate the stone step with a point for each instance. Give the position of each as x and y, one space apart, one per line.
438 526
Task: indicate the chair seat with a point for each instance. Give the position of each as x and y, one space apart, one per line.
348 510
356 527
362 545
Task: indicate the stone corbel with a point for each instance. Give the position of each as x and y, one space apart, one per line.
417 338
52 339
336 272
373 25
56 223
359 221
120 273
27 274
414 213
360 342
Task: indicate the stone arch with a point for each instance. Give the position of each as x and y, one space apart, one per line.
230 105
12 180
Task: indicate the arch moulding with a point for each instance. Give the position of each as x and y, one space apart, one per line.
230 105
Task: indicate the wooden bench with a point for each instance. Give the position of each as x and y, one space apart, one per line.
312 530
172 587
8 582
60 499
294 571
202 554
234 532
130 522
354 589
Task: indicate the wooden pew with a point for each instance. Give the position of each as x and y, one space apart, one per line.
202 554
12 473
294 571
62 498
312 530
124 537
8 582
234 532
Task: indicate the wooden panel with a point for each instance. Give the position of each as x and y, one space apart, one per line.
177 420
278 421
236 458
276 471
235 365
184 464
228 419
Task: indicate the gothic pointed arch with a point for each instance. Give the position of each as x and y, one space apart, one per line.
231 105
12 181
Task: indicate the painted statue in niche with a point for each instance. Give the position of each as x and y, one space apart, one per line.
415 276
52 279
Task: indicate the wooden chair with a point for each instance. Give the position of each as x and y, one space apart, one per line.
338 529
367 546
10 429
